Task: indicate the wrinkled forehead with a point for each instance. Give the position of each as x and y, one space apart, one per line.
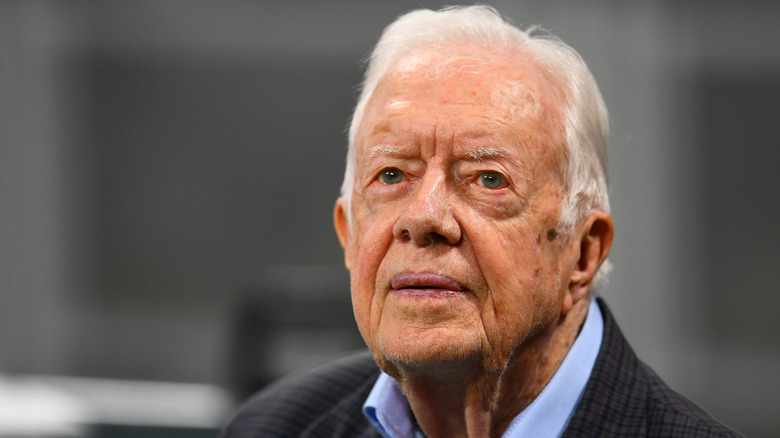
506 84
474 72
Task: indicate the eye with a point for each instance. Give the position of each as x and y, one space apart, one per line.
391 176
491 180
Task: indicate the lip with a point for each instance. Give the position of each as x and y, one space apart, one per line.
424 281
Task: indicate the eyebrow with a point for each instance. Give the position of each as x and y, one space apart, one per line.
385 149
477 154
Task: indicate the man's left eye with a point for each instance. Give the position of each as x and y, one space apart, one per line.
492 180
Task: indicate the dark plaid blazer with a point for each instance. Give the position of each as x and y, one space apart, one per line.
623 398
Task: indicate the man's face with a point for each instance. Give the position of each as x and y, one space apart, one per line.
456 192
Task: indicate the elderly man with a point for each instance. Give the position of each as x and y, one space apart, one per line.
475 223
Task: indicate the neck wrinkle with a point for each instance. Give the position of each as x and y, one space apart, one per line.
463 400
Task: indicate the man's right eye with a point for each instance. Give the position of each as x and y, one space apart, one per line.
391 176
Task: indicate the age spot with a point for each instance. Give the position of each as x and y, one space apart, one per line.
552 233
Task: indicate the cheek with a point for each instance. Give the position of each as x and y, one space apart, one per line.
370 246
362 281
507 255
518 274
367 253
361 305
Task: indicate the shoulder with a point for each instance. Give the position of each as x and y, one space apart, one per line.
324 401
671 414
624 397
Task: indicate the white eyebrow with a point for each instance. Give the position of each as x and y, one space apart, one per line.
385 149
487 152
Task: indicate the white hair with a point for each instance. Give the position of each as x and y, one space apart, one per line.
585 173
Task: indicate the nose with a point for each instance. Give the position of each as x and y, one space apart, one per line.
428 217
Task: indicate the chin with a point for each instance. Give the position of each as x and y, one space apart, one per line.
431 348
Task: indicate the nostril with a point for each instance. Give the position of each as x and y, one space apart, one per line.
406 236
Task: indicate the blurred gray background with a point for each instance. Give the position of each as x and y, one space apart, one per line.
168 171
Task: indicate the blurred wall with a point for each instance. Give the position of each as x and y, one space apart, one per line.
163 162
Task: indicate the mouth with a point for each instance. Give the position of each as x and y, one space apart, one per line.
425 284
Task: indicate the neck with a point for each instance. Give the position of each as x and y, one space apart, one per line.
464 399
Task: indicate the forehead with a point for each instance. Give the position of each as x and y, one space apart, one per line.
470 89
470 73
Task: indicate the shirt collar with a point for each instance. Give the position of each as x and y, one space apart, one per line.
547 416
388 410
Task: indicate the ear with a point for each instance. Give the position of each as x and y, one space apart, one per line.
594 239
342 227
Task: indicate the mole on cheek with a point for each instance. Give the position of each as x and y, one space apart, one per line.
552 233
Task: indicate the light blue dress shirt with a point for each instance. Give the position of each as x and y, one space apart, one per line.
547 416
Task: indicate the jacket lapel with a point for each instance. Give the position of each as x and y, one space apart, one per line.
614 400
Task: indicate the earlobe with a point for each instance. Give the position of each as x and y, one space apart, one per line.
341 223
595 241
